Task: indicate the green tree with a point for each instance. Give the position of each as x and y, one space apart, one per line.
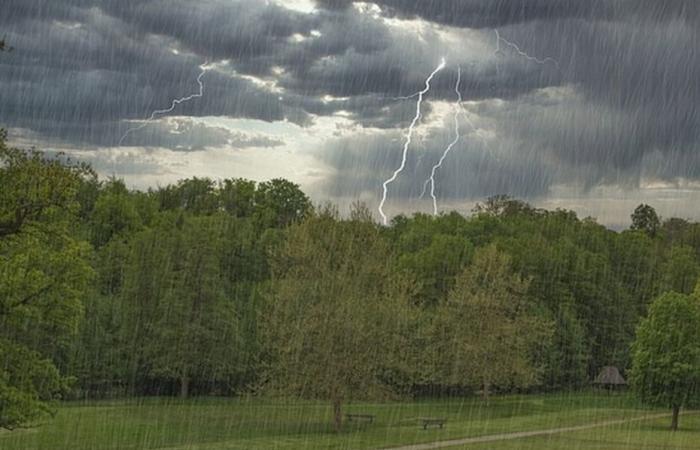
28 380
432 256
568 355
503 206
182 326
666 354
114 213
487 332
675 229
280 202
238 197
644 218
680 271
43 275
194 195
196 333
98 359
334 314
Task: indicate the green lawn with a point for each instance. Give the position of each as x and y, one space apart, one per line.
647 435
221 423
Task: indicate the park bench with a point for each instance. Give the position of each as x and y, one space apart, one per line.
427 421
366 417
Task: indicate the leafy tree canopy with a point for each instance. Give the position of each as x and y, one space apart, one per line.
666 354
644 218
44 272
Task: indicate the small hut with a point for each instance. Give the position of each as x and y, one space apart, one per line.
610 378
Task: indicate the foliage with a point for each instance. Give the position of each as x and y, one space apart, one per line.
114 213
334 312
644 218
280 203
28 384
177 319
43 275
432 253
220 287
486 331
275 203
503 206
666 354
680 271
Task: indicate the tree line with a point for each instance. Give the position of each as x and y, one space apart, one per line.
210 287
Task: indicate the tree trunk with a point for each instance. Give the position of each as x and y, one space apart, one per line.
485 391
674 419
337 415
184 386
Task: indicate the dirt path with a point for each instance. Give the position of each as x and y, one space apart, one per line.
520 434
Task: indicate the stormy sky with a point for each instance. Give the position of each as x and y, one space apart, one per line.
590 105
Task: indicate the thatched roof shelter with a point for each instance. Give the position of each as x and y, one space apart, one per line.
610 376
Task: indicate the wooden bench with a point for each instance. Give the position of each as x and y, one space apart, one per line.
427 421
366 417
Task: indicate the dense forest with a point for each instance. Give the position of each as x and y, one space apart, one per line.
227 287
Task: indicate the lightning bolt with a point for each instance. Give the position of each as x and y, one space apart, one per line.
407 143
458 111
514 46
407 97
174 103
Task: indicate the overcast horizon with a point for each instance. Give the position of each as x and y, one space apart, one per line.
583 105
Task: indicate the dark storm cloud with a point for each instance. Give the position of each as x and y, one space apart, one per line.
81 66
186 135
485 13
630 112
217 29
499 13
620 105
476 169
18 11
633 93
77 72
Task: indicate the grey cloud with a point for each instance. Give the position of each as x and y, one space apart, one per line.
498 13
184 134
118 64
217 29
474 169
635 95
76 83
82 69
485 13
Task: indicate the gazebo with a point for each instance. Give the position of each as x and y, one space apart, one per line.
610 378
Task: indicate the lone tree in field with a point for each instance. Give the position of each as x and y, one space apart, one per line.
666 354
333 313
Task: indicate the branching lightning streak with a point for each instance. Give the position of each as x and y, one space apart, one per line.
407 97
174 103
407 143
458 111
517 49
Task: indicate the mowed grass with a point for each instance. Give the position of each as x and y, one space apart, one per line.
254 423
646 435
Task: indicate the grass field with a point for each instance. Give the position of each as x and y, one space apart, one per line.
650 434
221 423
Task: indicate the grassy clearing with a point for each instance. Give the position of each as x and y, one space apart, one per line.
646 435
221 423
